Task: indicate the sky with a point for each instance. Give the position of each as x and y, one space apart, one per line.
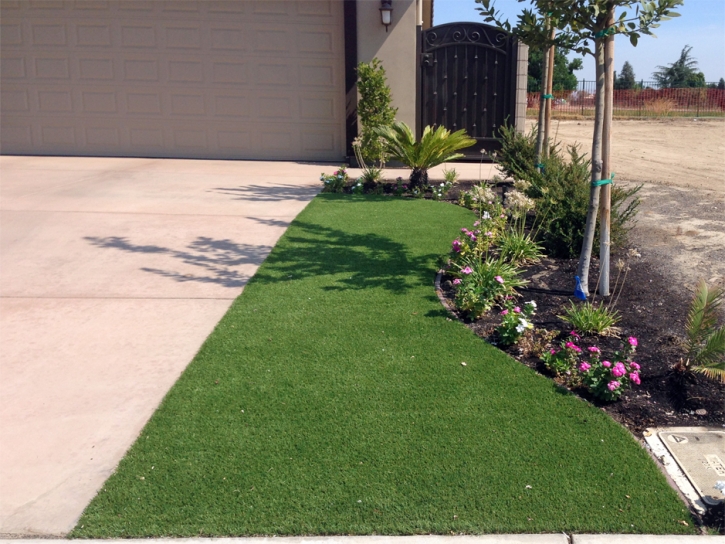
701 25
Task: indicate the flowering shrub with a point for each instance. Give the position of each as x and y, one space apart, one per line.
604 379
336 182
483 283
359 187
608 380
516 321
563 361
439 191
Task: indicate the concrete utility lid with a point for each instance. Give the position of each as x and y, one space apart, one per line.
700 453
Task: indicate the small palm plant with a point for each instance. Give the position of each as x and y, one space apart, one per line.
435 147
705 343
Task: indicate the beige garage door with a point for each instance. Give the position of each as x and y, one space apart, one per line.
230 79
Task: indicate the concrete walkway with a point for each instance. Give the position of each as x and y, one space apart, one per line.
427 539
112 274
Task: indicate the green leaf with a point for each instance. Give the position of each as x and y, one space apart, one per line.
633 39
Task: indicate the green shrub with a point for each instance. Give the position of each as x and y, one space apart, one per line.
561 191
482 283
588 318
374 108
334 183
516 321
435 147
518 248
705 343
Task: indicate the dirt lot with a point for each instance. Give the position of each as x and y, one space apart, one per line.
681 164
680 152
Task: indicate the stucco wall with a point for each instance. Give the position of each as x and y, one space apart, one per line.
396 49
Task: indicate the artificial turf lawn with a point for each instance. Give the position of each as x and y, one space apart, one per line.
331 399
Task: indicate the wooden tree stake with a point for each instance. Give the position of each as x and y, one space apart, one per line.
605 201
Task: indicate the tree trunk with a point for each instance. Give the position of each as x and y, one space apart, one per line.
419 178
549 90
605 204
542 104
591 224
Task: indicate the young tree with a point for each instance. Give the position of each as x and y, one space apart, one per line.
582 24
721 84
626 79
681 73
564 77
374 108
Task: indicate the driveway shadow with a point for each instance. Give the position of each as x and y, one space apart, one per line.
266 193
215 258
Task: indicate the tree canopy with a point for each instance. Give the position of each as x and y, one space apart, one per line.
564 77
681 73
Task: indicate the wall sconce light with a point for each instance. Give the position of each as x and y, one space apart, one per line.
386 11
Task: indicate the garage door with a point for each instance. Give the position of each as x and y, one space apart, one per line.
231 79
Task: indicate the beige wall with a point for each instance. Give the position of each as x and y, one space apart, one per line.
522 80
396 49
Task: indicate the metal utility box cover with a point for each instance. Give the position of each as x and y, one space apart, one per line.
701 456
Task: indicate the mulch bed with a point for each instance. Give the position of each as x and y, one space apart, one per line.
653 308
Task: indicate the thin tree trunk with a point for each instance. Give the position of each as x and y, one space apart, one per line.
549 90
605 203
592 212
542 104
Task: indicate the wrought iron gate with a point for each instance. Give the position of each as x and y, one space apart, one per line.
468 80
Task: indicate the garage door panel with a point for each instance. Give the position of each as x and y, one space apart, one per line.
217 79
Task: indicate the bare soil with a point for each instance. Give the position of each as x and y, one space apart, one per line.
680 229
683 152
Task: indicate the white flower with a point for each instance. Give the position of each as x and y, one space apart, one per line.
520 329
441 185
532 303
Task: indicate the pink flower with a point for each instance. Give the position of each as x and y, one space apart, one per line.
632 341
573 346
614 384
552 351
489 234
457 281
584 367
618 371
473 238
575 335
476 223
635 366
467 270
606 364
505 312
464 230
634 377
594 349
517 310
457 246
499 279
503 215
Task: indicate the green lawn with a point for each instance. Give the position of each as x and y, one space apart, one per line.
331 399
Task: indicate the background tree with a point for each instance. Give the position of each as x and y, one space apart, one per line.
721 84
626 79
564 77
681 73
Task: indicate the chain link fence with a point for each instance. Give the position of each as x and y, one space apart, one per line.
646 100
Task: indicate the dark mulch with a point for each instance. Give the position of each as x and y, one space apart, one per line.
653 309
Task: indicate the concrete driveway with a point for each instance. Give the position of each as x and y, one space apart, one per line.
112 274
